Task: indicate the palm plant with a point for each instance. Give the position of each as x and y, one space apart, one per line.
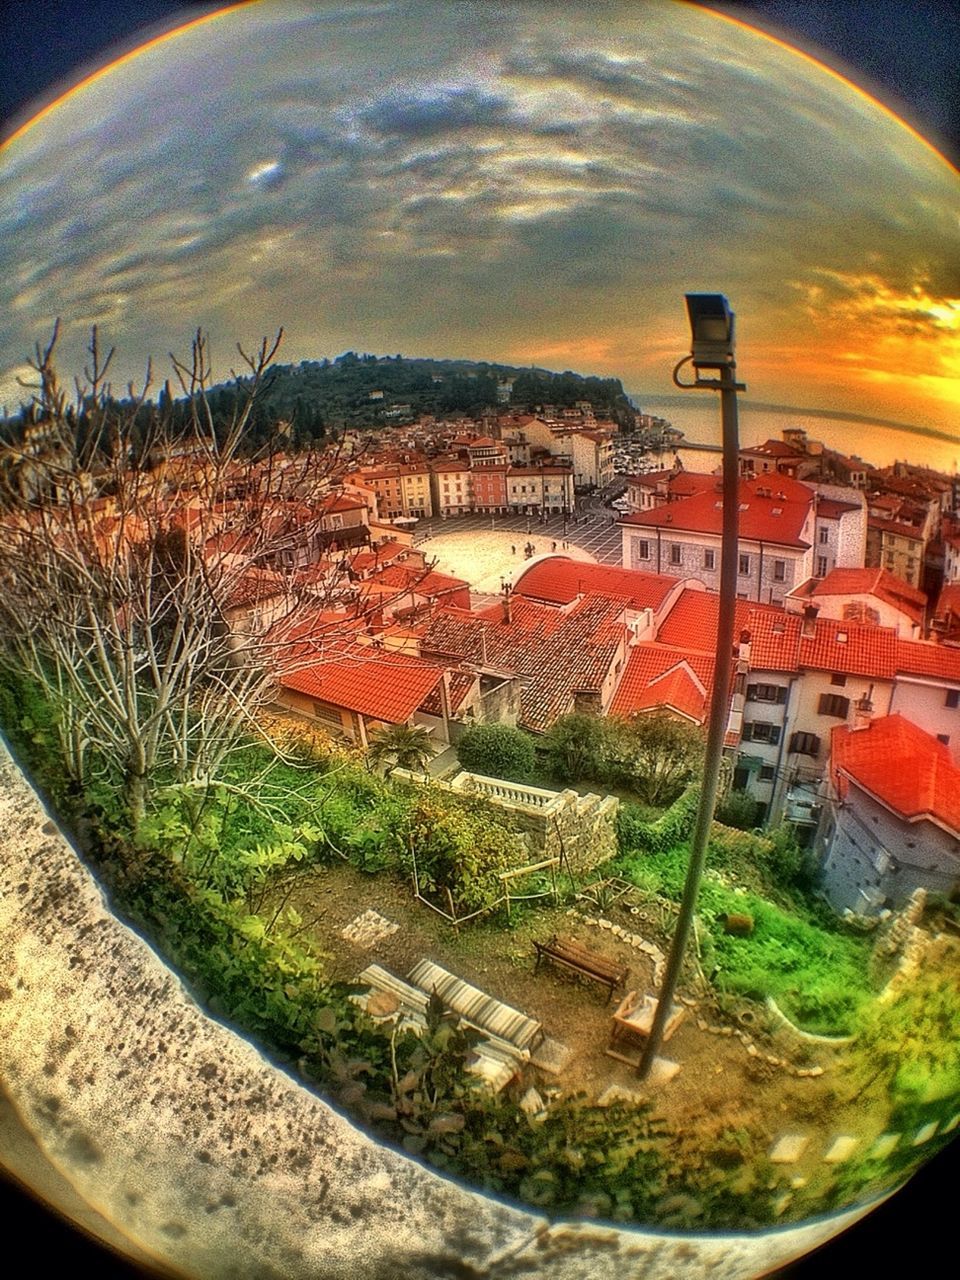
403 746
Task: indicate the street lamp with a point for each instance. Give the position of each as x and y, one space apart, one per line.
712 347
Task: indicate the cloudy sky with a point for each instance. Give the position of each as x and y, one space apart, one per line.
526 182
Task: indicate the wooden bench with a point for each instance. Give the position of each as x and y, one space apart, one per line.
574 955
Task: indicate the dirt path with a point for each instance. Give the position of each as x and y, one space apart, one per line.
722 1093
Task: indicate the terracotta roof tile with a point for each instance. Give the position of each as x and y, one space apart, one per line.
922 658
374 682
691 626
560 579
850 648
876 582
907 769
558 654
658 676
779 518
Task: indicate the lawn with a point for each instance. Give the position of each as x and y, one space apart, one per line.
818 975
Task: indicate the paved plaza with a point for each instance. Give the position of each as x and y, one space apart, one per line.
486 550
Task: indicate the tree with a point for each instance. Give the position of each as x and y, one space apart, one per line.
659 756
498 750
150 570
577 747
401 746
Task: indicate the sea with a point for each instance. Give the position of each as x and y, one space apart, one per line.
697 415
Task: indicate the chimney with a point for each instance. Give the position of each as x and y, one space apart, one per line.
863 710
809 626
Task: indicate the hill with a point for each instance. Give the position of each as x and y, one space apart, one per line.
318 396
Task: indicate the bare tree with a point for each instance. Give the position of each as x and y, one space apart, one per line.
150 571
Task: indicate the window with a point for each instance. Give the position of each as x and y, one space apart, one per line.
709 558
821 566
761 731
675 553
944 738
744 565
953 698
805 744
766 693
641 549
838 680
832 704
779 570
824 535
767 773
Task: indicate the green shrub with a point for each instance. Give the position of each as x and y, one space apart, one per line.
637 834
498 751
738 809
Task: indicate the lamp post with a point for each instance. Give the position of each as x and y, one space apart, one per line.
712 347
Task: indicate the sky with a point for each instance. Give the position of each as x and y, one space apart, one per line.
537 189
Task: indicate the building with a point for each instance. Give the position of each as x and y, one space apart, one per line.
401 488
683 538
892 821
872 596
533 489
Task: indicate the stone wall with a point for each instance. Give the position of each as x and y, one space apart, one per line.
213 1161
580 829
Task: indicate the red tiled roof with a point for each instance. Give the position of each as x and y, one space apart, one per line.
948 602
876 582
691 626
896 528
775 449
375 682
428 583
657 676
778 519
905 768
560 579
558 653
832 508
923 658
850 648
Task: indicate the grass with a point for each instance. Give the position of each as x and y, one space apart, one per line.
816 974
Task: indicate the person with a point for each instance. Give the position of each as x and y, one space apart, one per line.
553 546
513 549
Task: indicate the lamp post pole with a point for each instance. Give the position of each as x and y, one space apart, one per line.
728 387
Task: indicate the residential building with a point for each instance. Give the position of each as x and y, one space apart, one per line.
533 489
402 488
892 823
875 597
451 485
566 659
683 538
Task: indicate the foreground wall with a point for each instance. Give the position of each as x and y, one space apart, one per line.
212 1161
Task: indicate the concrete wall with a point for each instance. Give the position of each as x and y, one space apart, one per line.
925 703
873 859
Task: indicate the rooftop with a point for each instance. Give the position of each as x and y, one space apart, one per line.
772 509
903 767
657 676
559 579
378 683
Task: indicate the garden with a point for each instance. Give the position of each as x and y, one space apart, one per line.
248 882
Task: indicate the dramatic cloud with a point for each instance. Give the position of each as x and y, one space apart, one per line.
490 180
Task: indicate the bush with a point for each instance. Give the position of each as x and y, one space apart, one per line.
498 751
738 809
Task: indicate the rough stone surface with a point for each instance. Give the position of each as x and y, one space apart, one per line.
214 1161
789 1148
841 1149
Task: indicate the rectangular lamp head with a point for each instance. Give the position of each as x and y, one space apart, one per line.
711 328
